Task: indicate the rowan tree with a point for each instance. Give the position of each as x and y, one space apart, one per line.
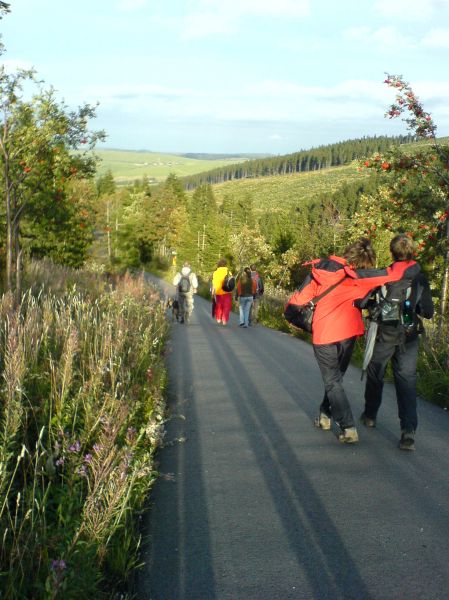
417 177
40 154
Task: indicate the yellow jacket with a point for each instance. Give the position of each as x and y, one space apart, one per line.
217 281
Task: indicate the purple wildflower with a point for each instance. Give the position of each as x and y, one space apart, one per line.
81 470
58 565
88 458
97 448
60 462
131 434
76 447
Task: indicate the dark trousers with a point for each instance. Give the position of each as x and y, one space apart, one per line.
333 360
403 359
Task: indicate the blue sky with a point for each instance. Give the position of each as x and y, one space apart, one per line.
271 76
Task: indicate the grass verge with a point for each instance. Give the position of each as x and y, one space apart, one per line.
81 416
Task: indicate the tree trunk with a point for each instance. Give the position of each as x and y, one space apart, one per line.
9 240
18 253
108 230
445 282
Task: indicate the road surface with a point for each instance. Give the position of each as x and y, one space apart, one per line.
254 503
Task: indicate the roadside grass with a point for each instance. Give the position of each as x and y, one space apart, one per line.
81 416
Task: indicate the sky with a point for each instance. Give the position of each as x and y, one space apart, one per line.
234 76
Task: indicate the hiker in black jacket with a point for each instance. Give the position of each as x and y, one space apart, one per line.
398 339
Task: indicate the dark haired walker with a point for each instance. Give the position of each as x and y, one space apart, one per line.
337 322
398 341
254 312
246 290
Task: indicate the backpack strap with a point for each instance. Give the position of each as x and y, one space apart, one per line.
329 289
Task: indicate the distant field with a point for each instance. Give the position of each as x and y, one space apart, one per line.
279 192
127 166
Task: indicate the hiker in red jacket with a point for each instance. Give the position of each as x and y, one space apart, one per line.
337 322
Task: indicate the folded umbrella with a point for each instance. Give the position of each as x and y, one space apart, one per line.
370 340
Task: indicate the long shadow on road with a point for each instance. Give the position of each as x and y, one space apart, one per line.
330 570
179 537
388 500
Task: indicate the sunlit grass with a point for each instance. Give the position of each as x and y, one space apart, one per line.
80 419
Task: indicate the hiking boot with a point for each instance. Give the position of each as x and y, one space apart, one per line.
323 422
367 421
349 436
407 441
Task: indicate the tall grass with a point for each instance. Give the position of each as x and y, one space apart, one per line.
81 411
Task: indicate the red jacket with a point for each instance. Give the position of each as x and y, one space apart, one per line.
251 284
336 318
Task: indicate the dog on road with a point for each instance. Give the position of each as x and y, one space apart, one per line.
173 305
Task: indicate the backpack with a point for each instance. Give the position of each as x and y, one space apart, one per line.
300 316
184 285
395 307
228 283
259 283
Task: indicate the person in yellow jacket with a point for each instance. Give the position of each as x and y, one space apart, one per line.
222 299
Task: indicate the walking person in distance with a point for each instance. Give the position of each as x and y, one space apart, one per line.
245 293
222 298
186 283
254 312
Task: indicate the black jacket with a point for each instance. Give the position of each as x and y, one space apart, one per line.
421 305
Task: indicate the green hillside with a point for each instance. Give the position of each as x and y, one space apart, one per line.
127 166
281 192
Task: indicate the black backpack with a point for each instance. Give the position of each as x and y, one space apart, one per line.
228 283
395 306
184 285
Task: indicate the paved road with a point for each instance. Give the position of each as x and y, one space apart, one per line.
257 504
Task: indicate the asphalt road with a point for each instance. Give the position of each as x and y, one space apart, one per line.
254 503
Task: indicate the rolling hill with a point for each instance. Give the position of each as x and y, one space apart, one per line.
127 165
280 192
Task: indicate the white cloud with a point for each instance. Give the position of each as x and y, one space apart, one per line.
350 89
436 38
383 38
201 25
131 5
410 10
268 102
211 17
272 8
